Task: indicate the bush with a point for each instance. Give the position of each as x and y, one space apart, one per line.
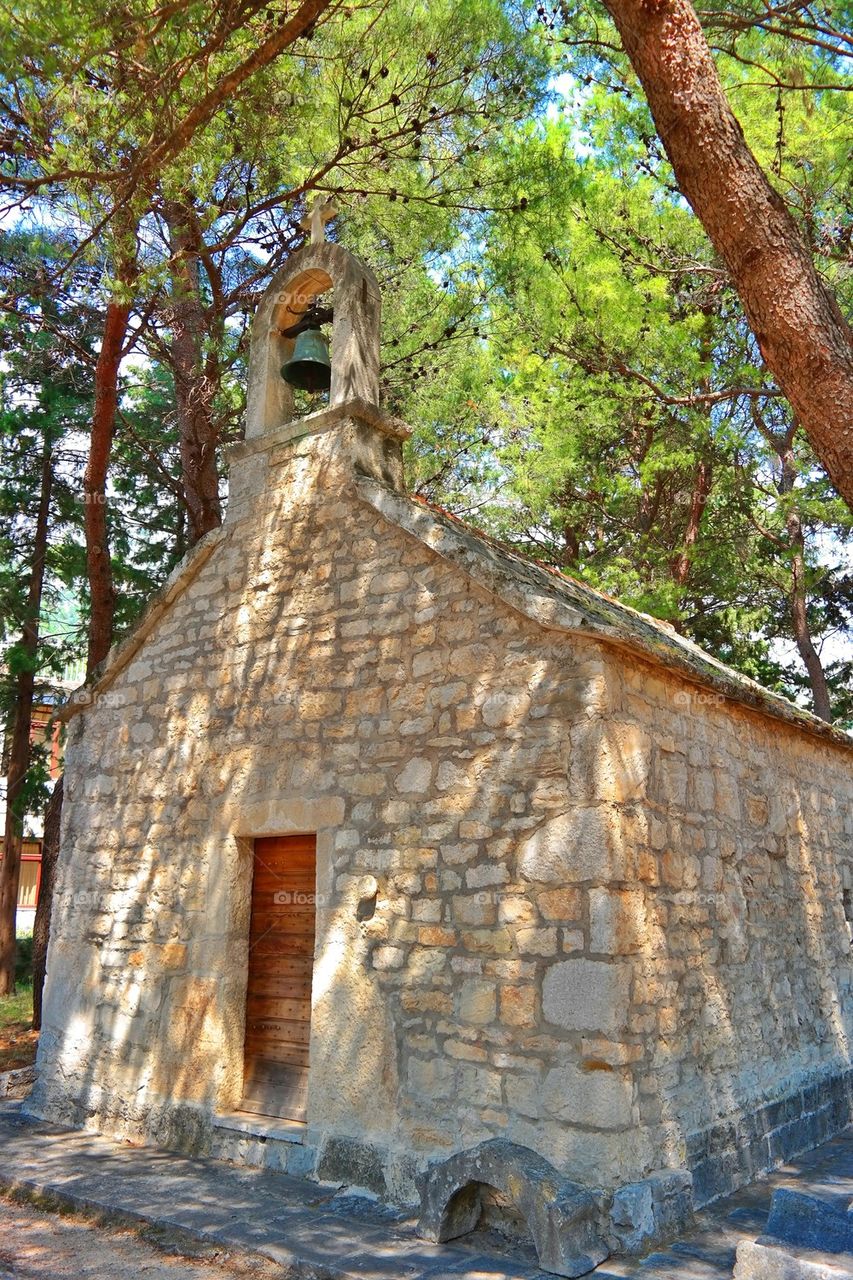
24 961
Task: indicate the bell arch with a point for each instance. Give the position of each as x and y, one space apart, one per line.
356 302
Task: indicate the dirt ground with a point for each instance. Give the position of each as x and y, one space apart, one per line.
17 1041
44 1246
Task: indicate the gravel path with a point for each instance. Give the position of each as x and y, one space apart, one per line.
44 1246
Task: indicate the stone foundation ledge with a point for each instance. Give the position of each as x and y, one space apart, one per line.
183 1127
728 1155
630 1219
246 1140
651 1212
573 1226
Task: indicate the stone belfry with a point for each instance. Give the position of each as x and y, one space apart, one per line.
311 273
327 271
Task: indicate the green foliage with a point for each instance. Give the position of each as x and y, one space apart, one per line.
556 328
24 961
45 399
628 379
44 405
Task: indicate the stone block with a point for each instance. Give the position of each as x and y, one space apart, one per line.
436 936
388 958
496 942
612 1052
601 1099
480 1087
477 1001
389 583
427 1001
472 830
432 1077
464 1052
474 909
765 1260
562 1217
427 910
650 1212
415 777
505 708
561 904
516 910
485 873
617 921
452 776
518 1006
299 1161
456 854
586 995
17 1083
805 1220
355 1163
680 870
537 942
632 1217
582 844
524 1093
671 778
609 761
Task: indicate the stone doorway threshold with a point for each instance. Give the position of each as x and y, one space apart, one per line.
261 1142
255 1126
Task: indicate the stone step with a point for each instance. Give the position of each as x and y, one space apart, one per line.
262 1142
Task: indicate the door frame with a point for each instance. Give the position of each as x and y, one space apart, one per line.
285 816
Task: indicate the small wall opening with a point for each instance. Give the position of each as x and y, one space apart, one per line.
489 1220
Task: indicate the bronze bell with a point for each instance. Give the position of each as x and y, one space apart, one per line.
309 367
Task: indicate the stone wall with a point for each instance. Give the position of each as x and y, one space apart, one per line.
725 918
609 907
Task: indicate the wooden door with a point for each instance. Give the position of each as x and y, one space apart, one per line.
281 958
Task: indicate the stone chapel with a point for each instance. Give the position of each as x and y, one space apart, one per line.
394 859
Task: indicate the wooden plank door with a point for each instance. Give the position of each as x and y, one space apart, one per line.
281 958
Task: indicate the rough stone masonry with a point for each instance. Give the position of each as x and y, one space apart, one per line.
579 886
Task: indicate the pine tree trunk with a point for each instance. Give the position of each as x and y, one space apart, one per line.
797 323
699 497
98 564
41 925
802 635
195 379
19 754
797 598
